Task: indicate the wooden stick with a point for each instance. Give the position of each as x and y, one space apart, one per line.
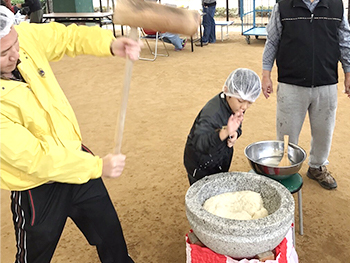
140 13
125 95
285 160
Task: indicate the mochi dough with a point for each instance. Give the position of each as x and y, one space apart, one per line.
241 205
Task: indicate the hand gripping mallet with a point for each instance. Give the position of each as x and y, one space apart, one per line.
157 17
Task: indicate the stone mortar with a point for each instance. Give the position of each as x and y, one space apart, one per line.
240 238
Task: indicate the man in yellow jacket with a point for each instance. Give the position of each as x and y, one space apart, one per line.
50 174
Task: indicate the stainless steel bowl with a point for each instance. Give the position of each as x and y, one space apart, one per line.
264 157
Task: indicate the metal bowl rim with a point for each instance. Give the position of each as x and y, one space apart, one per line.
274 166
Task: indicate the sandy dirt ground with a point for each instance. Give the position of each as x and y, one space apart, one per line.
164 99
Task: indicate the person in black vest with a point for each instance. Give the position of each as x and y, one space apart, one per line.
307 39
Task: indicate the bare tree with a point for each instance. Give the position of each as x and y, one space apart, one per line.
349 10
49 6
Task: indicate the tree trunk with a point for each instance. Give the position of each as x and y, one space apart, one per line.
49 6
349 10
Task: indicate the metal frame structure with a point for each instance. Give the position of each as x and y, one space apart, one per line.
254 20
157 38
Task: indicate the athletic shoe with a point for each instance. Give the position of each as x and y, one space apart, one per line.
322 176
198 44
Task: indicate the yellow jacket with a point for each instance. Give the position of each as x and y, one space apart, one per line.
40 136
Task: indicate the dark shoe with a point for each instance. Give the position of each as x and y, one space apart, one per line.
322 176
198 44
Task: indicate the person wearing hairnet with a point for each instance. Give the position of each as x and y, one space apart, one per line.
50 174
209 146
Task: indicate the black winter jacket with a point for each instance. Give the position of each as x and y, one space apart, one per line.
205 153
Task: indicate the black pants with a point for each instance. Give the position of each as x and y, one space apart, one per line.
40 214
191 179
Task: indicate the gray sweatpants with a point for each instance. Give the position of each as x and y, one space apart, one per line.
36 16
293 102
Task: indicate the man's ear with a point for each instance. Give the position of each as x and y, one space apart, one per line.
225 89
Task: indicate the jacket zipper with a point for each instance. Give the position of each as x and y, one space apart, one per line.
313 51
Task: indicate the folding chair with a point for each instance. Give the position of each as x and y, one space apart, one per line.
153 35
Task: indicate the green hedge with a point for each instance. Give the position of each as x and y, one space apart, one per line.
104 9
15 2
221 12
263 11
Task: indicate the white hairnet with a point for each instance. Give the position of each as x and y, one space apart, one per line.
244 84
7 19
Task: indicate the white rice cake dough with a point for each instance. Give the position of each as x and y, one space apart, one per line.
241 205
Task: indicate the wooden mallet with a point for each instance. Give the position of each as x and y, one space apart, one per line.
157 17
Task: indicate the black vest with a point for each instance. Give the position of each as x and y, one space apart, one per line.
308 52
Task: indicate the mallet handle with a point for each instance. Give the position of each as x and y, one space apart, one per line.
125 94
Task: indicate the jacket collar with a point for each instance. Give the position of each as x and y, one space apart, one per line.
301 3
224 101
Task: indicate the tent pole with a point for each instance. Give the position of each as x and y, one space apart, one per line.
227 11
